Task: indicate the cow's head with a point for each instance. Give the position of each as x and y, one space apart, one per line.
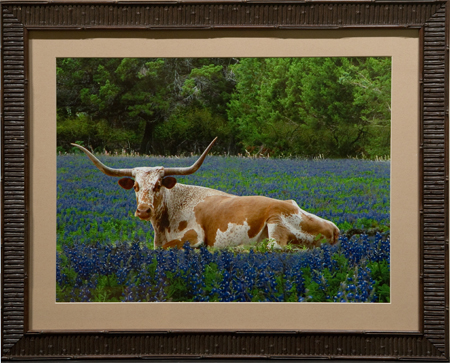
147 182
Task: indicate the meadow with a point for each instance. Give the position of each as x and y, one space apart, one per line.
104 253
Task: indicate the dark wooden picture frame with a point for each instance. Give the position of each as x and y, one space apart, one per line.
430 17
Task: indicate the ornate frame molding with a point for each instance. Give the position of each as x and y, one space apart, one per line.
431 17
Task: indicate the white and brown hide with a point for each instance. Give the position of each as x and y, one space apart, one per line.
202 216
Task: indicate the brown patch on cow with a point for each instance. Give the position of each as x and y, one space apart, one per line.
281 234
284 236
217 211
190 236
164 222
315 226
182 225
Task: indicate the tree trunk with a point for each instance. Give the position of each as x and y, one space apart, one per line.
146 143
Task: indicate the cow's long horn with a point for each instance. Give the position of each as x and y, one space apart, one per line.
193 168
102 167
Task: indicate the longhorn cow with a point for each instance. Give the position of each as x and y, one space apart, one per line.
204 216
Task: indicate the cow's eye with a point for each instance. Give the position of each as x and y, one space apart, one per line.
136 187
157 186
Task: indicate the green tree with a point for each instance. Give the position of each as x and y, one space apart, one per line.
338 107
135 95
201 114
371 82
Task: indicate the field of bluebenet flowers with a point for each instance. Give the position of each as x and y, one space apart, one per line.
104 253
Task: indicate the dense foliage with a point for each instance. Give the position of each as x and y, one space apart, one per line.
336 107
104 253
357 270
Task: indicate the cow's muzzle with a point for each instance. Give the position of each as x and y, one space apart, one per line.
143 211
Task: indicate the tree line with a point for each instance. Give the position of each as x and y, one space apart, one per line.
335 107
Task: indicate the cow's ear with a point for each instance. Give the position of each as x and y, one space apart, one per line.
126 183
169 182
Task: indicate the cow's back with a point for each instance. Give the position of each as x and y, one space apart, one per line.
223 220
238 219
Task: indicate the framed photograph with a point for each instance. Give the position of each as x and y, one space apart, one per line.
225 180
